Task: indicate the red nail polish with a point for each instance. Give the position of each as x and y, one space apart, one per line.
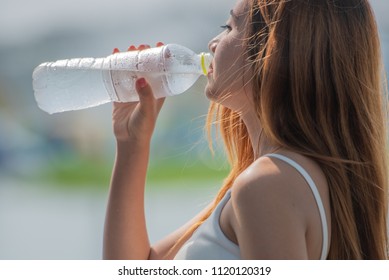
142 82
115 50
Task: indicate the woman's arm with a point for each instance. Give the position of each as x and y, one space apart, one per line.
125 234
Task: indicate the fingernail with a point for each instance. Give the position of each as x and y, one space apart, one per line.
132 48
159 44
142 82
115 50
141 46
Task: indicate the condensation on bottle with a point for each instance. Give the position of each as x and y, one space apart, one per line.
80 83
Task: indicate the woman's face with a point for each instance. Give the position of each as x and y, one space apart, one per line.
230 77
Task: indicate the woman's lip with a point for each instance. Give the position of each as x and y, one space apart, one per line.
210 68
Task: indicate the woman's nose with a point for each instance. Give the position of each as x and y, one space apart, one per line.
212 45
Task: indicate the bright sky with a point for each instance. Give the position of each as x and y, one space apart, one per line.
22 20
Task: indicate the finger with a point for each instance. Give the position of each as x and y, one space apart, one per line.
144 90
159 44
143 47
146 96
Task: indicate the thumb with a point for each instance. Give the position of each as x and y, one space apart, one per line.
144 91
146 96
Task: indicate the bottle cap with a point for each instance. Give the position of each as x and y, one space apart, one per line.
205 60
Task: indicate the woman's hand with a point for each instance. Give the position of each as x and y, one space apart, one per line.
135 121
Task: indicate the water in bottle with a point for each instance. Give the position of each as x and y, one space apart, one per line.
80 83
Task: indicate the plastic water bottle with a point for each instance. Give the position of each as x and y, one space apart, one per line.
80 83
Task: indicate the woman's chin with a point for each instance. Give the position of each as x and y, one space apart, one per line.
210 91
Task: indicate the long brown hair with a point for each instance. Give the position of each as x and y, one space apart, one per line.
319 91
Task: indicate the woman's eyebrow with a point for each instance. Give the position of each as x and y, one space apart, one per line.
235 16
232 14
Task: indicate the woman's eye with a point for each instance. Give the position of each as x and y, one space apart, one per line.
226 27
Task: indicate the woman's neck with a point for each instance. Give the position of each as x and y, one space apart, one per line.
260 143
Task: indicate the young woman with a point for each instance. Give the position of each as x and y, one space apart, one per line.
296 88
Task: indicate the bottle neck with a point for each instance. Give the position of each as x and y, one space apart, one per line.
202 63
205 61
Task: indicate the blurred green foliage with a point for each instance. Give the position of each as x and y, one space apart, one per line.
76 173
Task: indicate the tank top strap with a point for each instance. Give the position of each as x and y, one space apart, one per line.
316 194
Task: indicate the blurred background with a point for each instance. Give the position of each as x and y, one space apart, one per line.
55 169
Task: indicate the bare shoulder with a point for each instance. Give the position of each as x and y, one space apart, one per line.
264 176
263 170
268 184
273 178
274 209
